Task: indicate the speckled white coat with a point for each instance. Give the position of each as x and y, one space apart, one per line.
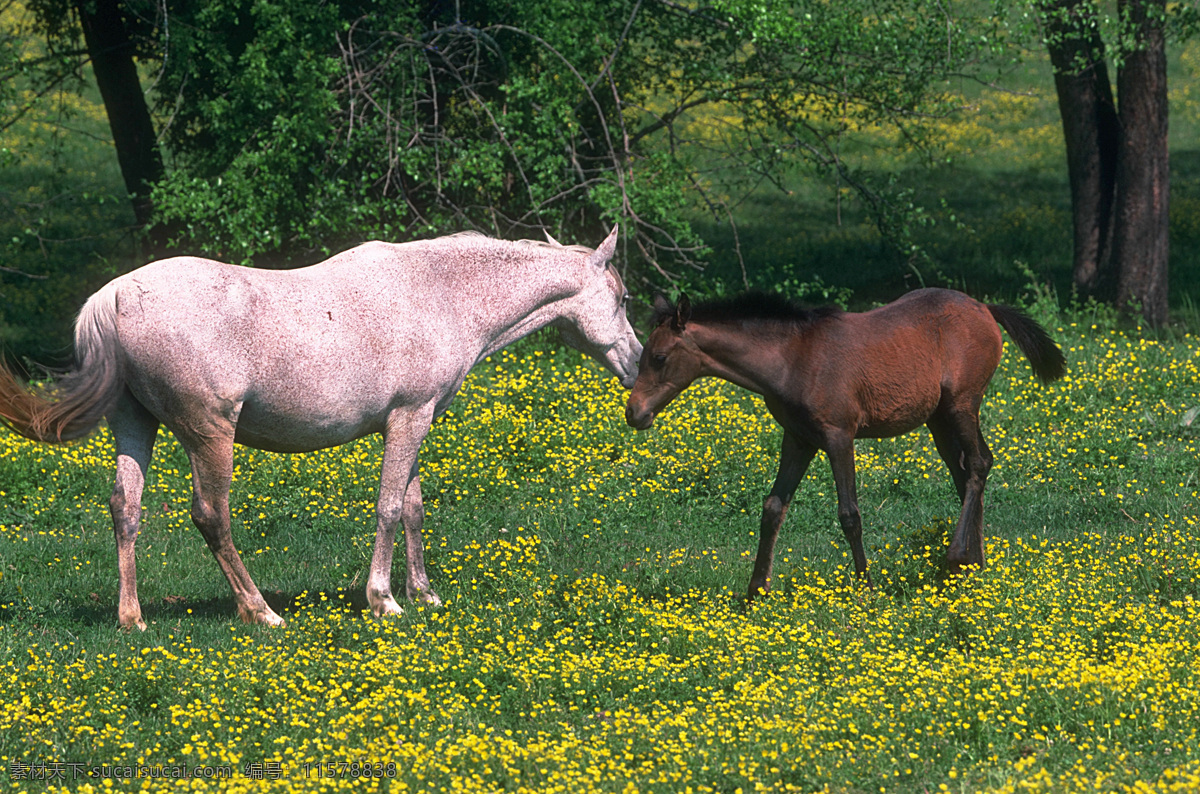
377 339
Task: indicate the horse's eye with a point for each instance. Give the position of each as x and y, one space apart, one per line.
659 359
625 299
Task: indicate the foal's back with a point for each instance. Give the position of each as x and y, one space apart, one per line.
886 371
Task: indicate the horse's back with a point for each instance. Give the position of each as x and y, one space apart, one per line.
297 359
900 360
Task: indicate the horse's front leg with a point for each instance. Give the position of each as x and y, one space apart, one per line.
841 460
794 458
400 502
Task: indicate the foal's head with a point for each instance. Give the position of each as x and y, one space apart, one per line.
670 362
595 321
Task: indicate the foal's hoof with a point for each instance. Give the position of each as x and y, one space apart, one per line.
955 575
956 569
757 591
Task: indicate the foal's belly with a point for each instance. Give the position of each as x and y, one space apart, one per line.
887 418
889 429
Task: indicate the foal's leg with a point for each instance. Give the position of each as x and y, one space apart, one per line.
841 459
133 429
950 451
794 458
400 502
212 472
961 445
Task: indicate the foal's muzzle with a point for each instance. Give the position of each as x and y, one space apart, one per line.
636 417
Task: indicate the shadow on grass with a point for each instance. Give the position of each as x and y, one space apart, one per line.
182 608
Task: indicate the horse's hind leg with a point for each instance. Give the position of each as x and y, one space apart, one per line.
951 451
960 443
400 503
212 472
841 460
794 458
133 429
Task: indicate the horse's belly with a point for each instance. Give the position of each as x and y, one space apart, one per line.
886 419
887 429
262 428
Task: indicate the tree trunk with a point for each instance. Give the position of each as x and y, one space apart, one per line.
1141 229
1092 135
111 53
1117 160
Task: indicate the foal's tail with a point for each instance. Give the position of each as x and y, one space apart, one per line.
1044 355
76 403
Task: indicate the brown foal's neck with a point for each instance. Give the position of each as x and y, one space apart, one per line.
751 359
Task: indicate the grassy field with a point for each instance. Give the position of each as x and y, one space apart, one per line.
594 636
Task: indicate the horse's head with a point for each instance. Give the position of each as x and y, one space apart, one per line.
670 362
596 323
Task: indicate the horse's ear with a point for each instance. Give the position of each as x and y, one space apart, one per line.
550 239
605 252
683 312
663 310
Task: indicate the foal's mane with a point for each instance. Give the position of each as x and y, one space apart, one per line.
755 305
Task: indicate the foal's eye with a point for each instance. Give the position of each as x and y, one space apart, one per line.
659 359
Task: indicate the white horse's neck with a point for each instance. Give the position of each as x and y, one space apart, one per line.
532 294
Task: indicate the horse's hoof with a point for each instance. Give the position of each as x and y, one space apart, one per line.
386 608
130 625
429 599
265 617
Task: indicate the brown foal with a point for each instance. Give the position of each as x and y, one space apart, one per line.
829 377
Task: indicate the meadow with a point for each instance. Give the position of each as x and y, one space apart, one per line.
594 635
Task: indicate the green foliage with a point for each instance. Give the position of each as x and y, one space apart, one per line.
296 129
312 127
64 221
250 126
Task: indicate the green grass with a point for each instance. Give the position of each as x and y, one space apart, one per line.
998 196
594 635
66 226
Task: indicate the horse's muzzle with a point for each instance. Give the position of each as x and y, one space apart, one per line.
638 419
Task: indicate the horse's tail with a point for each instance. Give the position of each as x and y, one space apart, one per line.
1044 355
77 401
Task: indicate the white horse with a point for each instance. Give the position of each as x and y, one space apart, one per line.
377 339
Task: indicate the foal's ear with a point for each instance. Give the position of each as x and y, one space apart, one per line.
550 239
683 312
605 252
662 308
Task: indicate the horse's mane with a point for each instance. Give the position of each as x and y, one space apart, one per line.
754 305
479 237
